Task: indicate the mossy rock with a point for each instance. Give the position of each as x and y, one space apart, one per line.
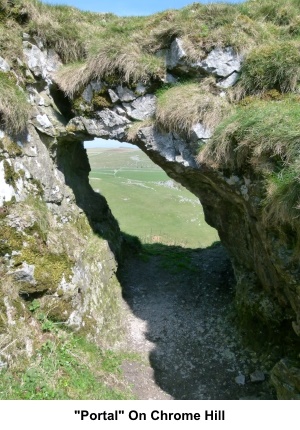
11 147
10 239
10 175
57 309
49 269
101 100
285 376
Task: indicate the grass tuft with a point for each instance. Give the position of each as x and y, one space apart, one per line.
66 367
184 105
14 108
272 66
265 137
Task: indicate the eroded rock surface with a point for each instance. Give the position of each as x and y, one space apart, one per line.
48 164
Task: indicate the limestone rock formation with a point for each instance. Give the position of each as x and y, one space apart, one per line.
59 241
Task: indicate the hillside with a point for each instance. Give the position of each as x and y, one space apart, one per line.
146 202
210 93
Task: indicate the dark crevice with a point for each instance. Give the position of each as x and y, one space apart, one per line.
62 102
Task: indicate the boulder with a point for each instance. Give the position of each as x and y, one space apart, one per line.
142 108
198 132
41 63
230 81
125 94
176 55
113 96
221 62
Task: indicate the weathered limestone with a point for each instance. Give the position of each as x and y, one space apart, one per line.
41 63
141 108
220 62
77 236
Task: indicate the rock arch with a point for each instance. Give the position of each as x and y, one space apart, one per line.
50 161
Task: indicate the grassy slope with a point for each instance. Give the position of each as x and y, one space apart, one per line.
66 367
144 206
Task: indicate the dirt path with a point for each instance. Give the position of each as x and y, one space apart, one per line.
178 320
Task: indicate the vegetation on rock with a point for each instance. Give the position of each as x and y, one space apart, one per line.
14 108
265 137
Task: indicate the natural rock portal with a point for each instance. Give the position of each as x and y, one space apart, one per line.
219 113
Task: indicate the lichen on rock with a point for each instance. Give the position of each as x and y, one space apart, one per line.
234 142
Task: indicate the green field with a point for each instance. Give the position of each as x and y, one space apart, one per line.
146 202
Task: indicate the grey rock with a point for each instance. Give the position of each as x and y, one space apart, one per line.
170 79
125 94
92 87
87 94
230 81
176 55
36 59
4 66
96 85
111 119
198 132
257 376
54 195
221 62
113 96
171 147
120 111
240 380
142 108
140 89
39 42
26 36
25 274
109 125
43 120
41 63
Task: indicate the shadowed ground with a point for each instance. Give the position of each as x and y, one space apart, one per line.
180 320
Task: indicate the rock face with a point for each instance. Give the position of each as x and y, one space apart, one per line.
52 223
60 242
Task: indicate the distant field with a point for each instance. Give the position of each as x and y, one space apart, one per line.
146 202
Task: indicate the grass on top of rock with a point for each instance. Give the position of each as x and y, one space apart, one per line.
272 66
265 137
126 47
185 104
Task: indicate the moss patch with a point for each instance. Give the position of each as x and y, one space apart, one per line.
10 175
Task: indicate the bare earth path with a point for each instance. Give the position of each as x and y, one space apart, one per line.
179 321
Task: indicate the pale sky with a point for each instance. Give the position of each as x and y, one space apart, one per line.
131 7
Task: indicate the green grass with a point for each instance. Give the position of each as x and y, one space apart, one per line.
272 66
175 259
142 202
14 109
264 137
125 48
66 367
198 103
